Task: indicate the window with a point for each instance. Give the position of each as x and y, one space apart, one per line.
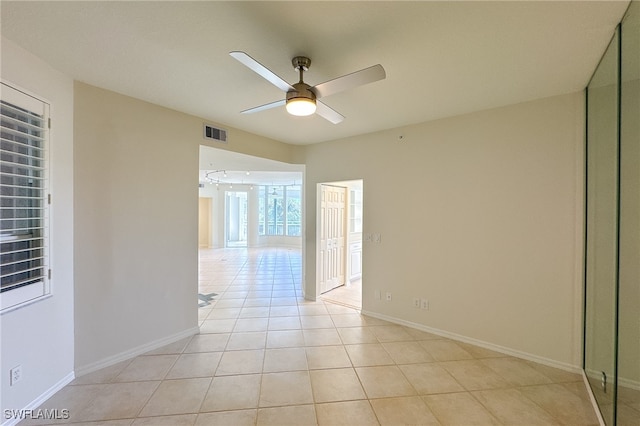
294 211
275 210
262 226
23 199
279 210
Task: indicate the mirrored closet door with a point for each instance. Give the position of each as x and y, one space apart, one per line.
612 252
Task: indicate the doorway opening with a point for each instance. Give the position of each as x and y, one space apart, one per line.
339 242
233 228
236 219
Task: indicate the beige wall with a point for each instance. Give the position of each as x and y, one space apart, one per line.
136 215
39 337
481 214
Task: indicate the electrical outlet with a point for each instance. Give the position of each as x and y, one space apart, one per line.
388 296
377 238
15 375
377 295
416 302
424 304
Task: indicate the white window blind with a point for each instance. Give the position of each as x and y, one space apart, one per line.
23 198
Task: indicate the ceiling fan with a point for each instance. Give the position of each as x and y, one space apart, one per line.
302 99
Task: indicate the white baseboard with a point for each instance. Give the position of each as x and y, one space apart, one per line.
106 362
622 381
482 344
139 350
628 383
42 398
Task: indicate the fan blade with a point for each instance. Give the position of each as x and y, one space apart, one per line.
263 107
328 113
355 79
263 71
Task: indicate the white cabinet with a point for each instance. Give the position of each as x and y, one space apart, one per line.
355 260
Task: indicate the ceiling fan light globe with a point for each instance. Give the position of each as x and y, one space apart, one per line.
301 106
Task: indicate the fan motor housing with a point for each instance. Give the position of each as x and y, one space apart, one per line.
301 91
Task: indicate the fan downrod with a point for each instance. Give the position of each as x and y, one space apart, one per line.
301 89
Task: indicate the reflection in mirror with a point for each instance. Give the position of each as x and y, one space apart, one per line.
628 393
602 231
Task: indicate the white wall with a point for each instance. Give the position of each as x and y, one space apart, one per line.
481 214
279 241
39 337
136 218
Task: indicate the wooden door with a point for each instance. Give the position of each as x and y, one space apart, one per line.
204 222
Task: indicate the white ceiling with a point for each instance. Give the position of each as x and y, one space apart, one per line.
441 58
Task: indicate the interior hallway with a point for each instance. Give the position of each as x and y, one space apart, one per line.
266 356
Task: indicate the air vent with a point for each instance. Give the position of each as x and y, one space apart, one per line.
215 134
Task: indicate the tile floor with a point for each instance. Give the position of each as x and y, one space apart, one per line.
265 356
349 295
